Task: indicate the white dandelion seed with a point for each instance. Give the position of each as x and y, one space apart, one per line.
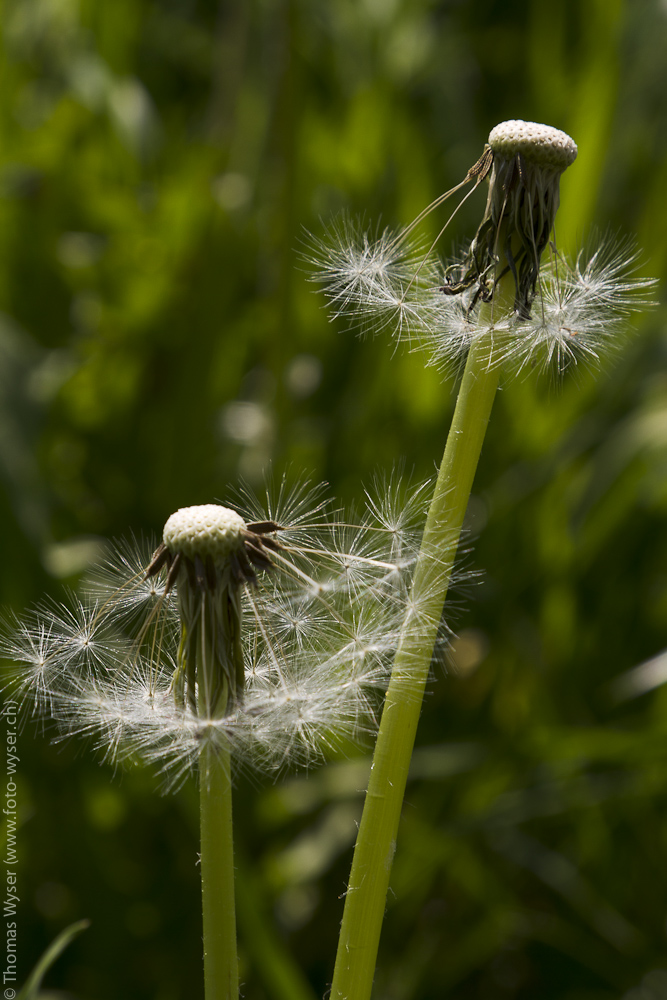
582 309
44 645
562 312
268 630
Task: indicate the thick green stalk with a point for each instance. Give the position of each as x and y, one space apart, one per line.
221 973
221 966
376 842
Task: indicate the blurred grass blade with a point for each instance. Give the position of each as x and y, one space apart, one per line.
282 977
31 989
641 679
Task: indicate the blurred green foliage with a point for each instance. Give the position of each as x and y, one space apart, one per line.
160 161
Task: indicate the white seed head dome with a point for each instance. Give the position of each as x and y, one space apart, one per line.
540 144
207 530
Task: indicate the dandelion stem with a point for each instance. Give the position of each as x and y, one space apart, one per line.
221 974
374 851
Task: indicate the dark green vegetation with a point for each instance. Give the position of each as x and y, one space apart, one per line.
159 339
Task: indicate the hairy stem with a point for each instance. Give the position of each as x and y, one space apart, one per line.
221 966
221 974
376 841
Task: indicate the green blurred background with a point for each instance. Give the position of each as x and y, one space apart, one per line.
159 339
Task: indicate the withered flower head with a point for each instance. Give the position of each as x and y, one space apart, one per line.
209 552
551 312
524 161
268 630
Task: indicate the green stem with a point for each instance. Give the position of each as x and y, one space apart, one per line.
221 973
374 851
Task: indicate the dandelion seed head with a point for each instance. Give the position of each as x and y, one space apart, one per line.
527 160
540 144
206 530
562 311
281 655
